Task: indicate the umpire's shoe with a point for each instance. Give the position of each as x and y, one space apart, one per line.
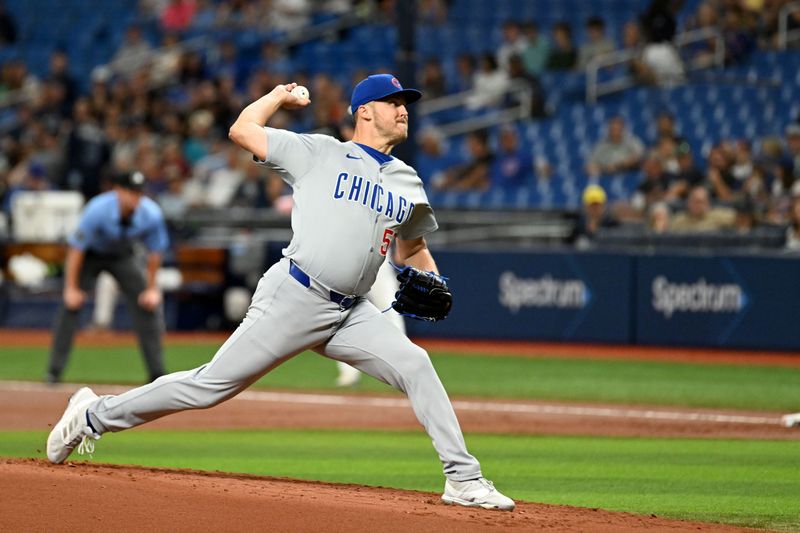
73 428
476 493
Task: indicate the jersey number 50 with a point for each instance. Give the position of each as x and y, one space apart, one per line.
388 235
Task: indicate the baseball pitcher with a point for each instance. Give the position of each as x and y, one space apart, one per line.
352 200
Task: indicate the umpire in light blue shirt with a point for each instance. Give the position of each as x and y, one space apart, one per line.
110 225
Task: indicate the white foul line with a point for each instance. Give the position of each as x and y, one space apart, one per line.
459 405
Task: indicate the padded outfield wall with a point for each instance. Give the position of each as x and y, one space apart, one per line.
688 300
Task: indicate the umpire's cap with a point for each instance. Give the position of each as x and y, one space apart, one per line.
130 180
379 86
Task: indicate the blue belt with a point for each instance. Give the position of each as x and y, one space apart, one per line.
345 302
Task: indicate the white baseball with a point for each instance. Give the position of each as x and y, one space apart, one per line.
300 92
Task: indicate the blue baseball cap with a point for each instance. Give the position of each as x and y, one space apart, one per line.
379 86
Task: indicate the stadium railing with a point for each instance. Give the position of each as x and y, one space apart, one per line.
785 35
596 88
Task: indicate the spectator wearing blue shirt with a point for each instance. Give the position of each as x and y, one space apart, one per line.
110 225
433 158
513 165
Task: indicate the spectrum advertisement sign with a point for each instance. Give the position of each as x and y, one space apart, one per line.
535 296
746 302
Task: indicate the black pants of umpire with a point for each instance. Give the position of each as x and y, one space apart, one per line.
131 280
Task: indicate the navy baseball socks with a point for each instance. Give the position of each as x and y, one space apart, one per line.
476 493
73 429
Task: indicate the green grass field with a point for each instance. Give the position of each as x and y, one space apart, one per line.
743 482
738 482
612 381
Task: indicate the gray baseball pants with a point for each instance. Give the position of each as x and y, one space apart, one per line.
284 319
131 281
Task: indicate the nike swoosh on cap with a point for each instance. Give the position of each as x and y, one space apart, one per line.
351 156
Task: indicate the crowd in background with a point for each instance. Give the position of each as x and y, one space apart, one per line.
165 111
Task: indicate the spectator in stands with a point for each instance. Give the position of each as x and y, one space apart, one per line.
167 61
205 15
87 153
664 63
665 127
149 161
433 158
743 165
174 202
465 72
593 218
688 175
562 53
226 61
173 163
632 40
719 176
514 43
289 15
59 75
273 59
513 166
133 53
16 77
746 216
192 68
793 229
705 17
537 49
700 216
197 144
652 188
620 151
488 84
536 102
666 151
658 220
658 21
433 12
739 33
224 181
472 175
792 163
35 179
432 81
8 28
253 190
178 15
597 42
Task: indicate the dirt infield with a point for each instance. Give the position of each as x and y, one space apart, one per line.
33 406
37 496
86 497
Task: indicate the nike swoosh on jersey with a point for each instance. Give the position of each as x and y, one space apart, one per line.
351 156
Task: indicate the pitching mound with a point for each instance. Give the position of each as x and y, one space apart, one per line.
38 496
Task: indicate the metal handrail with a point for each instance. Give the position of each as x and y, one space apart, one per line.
608 59
702 34
595 89
493 117
783 25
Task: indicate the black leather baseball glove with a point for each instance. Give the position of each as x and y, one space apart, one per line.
422 295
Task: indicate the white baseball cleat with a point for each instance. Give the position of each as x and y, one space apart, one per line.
790 421
73 428
348 376
476 493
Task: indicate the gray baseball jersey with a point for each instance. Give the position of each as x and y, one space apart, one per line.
348 206
350 202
